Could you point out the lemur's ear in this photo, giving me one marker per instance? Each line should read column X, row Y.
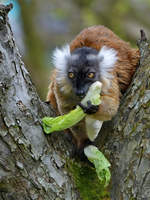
column 107, row 58
column 60, row 57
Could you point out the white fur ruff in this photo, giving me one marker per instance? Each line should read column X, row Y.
column 107, row 59
column 60, row 57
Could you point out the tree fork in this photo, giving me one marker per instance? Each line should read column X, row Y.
column 34, row 166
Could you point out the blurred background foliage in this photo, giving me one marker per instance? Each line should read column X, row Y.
column 39, row 26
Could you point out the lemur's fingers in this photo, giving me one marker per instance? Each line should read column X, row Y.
column 82, row 106
column 89, row 103
column 89, row 109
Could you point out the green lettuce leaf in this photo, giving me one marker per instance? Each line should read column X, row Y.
column 100, row 162
column 51, row 124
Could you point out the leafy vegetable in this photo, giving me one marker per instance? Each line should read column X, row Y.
column 51, row 124
column 100, row 162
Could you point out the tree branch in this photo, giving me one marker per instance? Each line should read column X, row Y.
column 128, row 140
column 30, row 168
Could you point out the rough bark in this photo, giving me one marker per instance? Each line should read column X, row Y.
column 30, row 166
column 35, row 166
column 128, row 137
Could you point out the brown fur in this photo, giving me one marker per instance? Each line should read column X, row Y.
column 96, row 37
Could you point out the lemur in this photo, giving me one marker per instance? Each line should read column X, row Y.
column 96, row 54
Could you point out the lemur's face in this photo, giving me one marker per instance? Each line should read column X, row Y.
column 83, row 70
column 77, row 70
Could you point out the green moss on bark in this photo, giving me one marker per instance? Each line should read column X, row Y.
column 87, row 182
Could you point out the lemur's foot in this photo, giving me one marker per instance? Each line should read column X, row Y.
column 79, row 152
column 90, row 108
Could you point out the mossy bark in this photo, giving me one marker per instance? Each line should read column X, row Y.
column 35, row 166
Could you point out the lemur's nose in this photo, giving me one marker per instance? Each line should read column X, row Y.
column 80, row 93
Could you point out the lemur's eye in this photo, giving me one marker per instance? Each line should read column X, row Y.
column 91, row 75
column 71, row 75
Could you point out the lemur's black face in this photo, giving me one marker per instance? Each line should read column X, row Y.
column 83, row 70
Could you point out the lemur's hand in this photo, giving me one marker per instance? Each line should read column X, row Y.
column 90, row 108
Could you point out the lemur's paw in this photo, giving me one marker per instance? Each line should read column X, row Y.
column 78, row 152
column 90, row 108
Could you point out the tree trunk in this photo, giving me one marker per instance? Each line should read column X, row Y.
column 30, row 166
column 128, row 137
column 35, row 166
